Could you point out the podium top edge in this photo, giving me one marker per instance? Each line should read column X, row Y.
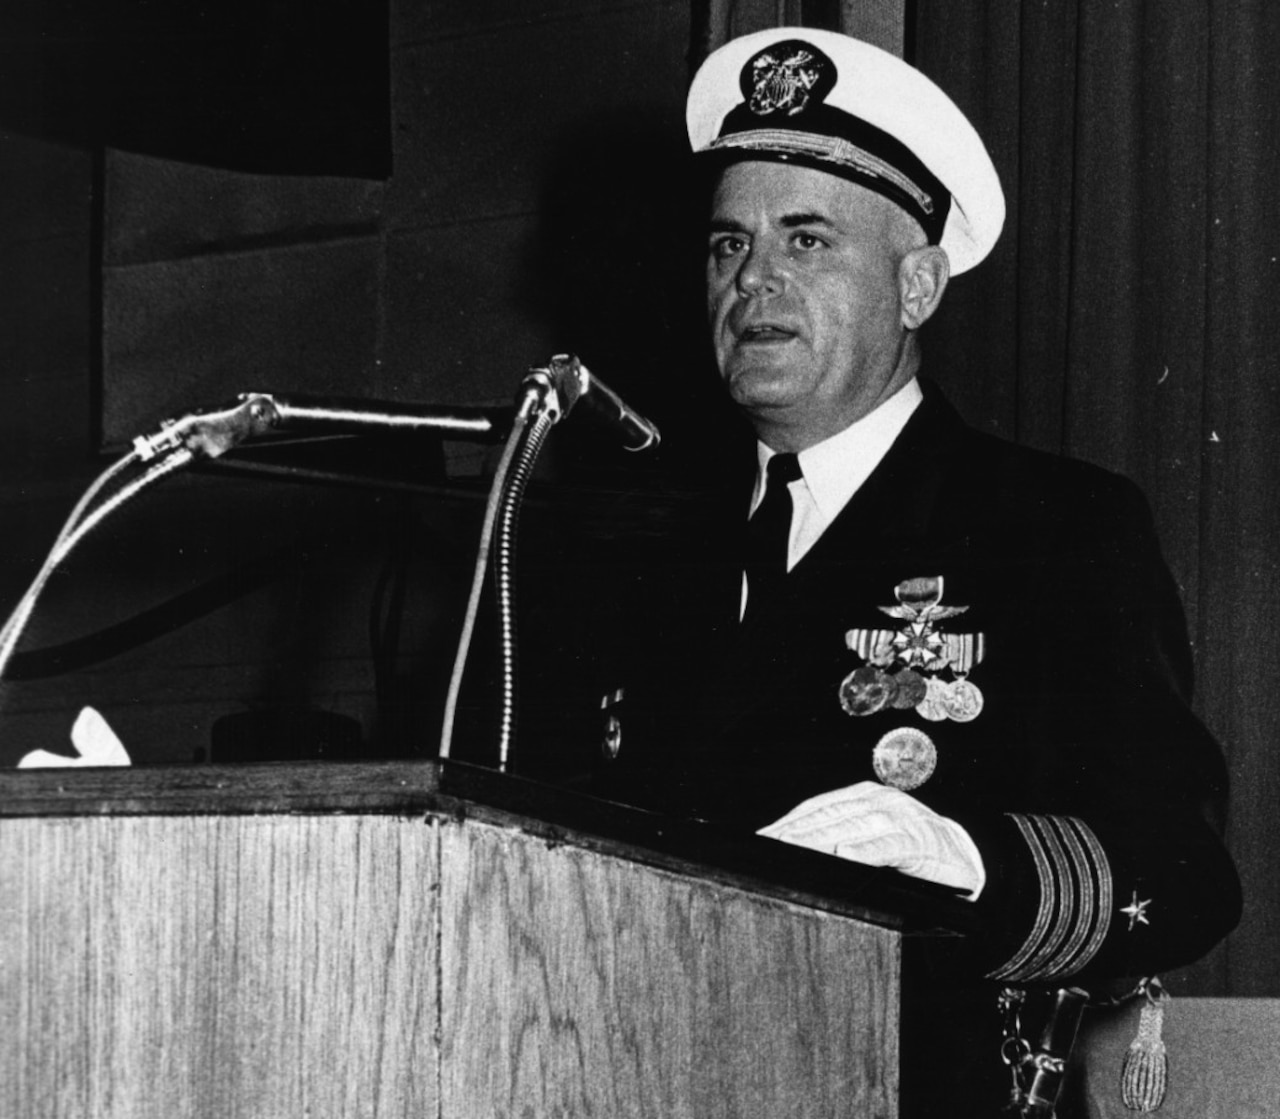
column 460, row 792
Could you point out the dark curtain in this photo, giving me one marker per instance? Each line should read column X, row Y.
column 1129, row 317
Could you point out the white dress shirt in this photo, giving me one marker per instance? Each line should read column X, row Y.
column 834, row 470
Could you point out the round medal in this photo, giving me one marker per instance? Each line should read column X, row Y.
column 932, row 706
column 905, row 758
column 962, row 701
column 911, row 689
column 865, row 691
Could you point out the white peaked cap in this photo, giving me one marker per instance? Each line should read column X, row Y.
column 821, row 99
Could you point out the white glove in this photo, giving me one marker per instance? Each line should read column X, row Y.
column 881, row 826
column 94, row 741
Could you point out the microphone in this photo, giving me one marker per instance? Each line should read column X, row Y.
column 573, row 384
column 210, row 434
column 565, row 383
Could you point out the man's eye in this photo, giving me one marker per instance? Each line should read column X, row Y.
column 722, row 248
column 807, row 241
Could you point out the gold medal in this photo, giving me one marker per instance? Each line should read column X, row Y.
column 933, row 706
column 866, row 690
column 904, row 758
column 962, row 700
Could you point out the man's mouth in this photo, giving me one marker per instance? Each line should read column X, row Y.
column 764, row 332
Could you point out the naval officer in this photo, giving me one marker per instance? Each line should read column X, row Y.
column 906, row 643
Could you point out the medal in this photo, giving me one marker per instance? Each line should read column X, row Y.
column 962, row 700
column 866, row 690
column 904, row 758
column 911, row 689
column 920, row 653
column 933, row 707
column 919, row 644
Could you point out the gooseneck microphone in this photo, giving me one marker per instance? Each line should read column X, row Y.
column 576, row 386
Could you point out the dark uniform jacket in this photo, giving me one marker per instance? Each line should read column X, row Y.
column 1085, row 780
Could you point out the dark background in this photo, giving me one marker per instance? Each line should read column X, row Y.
column 419, row 201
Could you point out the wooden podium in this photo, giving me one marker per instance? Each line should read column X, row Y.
column 424, row 939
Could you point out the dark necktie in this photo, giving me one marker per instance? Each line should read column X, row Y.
column 768, row 532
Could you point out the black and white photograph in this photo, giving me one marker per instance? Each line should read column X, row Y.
column 668, row 559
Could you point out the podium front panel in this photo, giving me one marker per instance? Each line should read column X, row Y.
column 201, row 944
column 575, row 984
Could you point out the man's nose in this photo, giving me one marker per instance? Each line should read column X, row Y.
column 760, row 273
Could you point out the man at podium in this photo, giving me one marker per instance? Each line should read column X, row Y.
column 903, row 642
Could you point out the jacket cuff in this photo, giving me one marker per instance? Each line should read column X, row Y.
column 1076, row 895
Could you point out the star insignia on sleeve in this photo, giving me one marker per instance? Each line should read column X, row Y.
column 1136, row 911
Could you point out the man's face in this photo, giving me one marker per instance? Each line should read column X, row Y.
column 803, row 297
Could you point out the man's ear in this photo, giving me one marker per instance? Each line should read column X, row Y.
column 922, row 278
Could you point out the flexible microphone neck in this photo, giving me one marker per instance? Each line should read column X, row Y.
column 574, row 386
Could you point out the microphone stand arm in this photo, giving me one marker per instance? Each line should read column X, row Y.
column 210, row 434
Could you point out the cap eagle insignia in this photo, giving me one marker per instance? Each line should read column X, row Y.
column 785, row 78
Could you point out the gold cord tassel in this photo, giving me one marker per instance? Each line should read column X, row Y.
column 1145, row 1075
